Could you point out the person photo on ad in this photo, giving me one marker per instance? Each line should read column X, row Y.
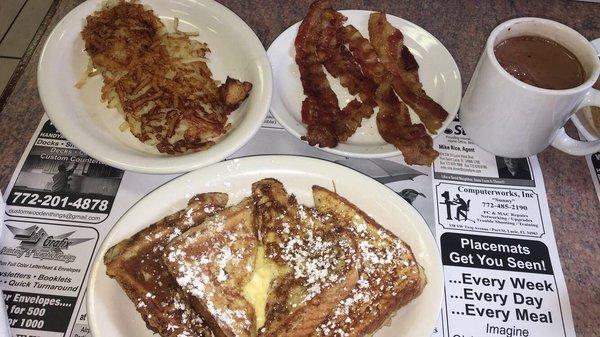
column 513, row 168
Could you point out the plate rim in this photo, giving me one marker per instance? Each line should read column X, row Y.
column 161, row 164
column 365, row 155
column 581, row 126
column 425, row 231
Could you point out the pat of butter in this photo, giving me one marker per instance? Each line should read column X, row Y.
column 257, row 289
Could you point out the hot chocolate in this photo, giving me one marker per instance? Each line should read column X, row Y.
column 540, row 62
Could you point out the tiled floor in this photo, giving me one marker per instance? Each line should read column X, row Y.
column 19, row 21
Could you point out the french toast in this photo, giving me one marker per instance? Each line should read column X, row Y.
column 390, row 276
column 212, row 262
column 266, row 267
column 317, row 263
column 136, row 264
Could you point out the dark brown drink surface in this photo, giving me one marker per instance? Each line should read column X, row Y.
column 540, row 62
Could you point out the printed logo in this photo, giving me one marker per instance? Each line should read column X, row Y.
column 462, row 207
column 37, row 243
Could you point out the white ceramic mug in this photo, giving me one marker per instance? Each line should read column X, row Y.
column 510, row 118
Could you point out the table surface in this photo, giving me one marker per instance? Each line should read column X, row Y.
column 462, row 26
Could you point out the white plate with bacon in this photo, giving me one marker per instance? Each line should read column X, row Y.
column 437, row 72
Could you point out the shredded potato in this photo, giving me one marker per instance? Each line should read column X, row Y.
column 158, row 80
column 90, row 71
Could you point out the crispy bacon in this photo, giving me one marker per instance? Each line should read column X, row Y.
column 316, row 85
column 317, row 44
column 389, row 46
column 315, row 112
column 320, row 135
column 342, row 65
column 306, row 39
column 233, row 93
column 351, row 118
column 320, row 106
column 333, row 127
column 394, row 125
column 411, row 67
column 364, row 54
column 393, row 118
column 328, row 40
column 348, row 56
column 339, row 62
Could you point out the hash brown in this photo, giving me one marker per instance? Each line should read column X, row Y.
column 159, row 80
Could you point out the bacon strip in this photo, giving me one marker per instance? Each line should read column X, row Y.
column 389, row 46
column 393, row 119
column 365, row 55
column 342, row 66
column 321, row 41
column 317, row 44
column 395, row 126
column 411, row 68
column 320, row 107
column 339, row 62
column 331, row 22
column 351, row 118
column 319, row 119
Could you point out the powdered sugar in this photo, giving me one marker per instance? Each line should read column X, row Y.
column 383, row 260
column 202, row 259
column 313, row 258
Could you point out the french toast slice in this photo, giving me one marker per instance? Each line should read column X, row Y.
column 136, row 264
column 317, row 262
column 212, row 262
column 390, row 276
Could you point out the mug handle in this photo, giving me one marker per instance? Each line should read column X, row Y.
column 566, row 143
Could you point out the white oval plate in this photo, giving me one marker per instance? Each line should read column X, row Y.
column 86, row 122
column 111, row 313
column 437, row 70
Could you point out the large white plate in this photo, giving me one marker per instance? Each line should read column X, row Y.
column 93, row 128
column 110, row 313
column 437, row 70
